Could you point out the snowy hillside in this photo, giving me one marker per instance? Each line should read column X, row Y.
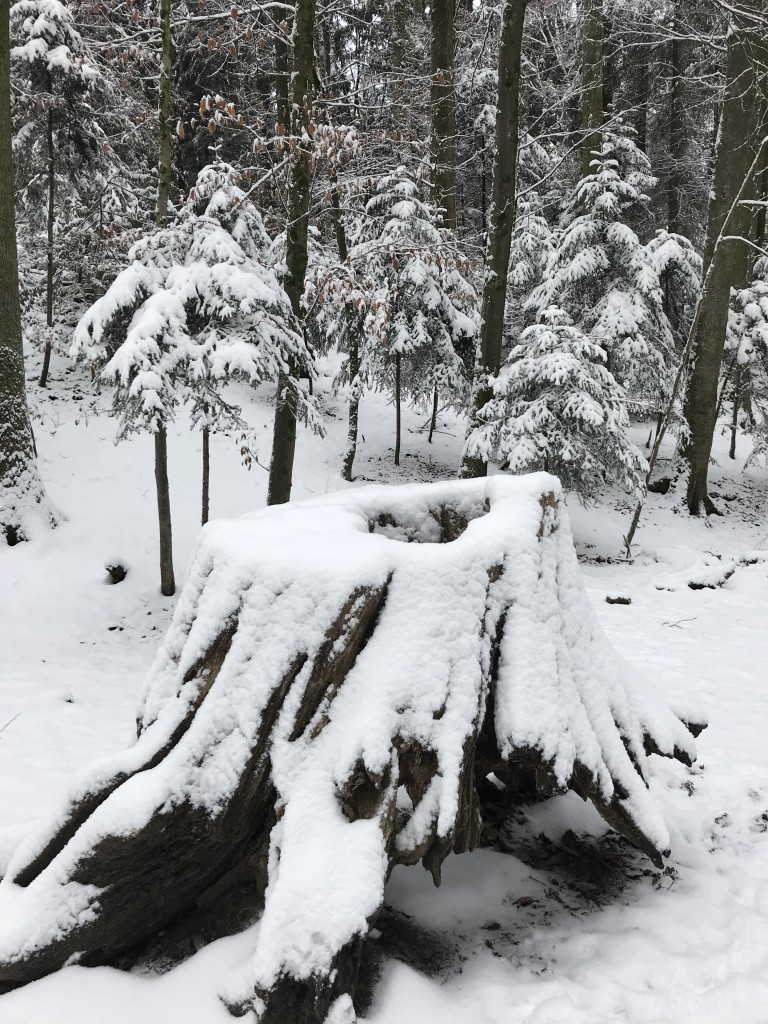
column 571, row 926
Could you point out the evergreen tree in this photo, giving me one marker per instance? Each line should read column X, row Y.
column 407, row 293
column 196, row 308
column 604, row 278
column 556, row 407
column 57, row 137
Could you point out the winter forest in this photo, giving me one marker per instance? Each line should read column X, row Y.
column 383, row 487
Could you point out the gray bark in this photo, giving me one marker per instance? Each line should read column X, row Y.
column 727, row 254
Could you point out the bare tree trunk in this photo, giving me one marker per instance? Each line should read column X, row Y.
column 591, row 81
column 502, row 220
column 397, row 408
column 675, row 220
column 354, row 341
column 206, row 474
column 284, row 436
column 49, row 261
column 735, row 414
column 19, row 480
column 433, row 421
column 443, row 102
column 726, row 258
column 167, row 578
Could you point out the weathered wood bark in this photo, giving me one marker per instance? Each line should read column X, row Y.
column 21, row 491
column 727, row 254
column 282, row 715
column 296, row 253
column 443, row 101
column 502, row 218
column 592, row 102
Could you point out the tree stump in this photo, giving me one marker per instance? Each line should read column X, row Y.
column 340, row 678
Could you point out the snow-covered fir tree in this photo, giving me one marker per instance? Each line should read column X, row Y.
column 405, row 290
column 747, row 343
column 556, row 407
column 196, row 308
column 603, row 277
column 57, row 138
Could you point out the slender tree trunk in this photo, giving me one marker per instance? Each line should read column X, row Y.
column 443, row 102
column 676, row 221
column 21, row 492
column 284, row 437
column 282, row 82
column 399, row 43
column 433, row 421
column 502, row 219
column 591, row 81
column 206, row 474
column 167, row 578
column 726, row 258
column 50, row 264
column 397, row 408
column 735, row 414
column 167, row 581
column 354, row 340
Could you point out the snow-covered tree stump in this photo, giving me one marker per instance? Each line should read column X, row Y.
column 340, row 679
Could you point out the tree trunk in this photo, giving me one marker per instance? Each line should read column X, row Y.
column 502, row 219
column 22, row 497
column 167, row 579
column 735, row 413
column 726, row 257
column 676, row 220
column 206, row 474
column 399, row 43
column 282, row 81
column 397, row 408
column 299, row 189
column 443, row 102
column 49, row 259
column 591, row 82
column 433, row 420
column 354, row 340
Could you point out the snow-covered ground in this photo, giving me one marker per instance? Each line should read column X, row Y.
column 541, row 936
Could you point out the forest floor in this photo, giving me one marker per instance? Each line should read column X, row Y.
column 557, row 921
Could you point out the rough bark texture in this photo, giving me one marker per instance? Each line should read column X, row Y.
column 296, row 253
column 173, row 862
column 591, row 82
column 502, row 218
column 22, row 498
column 727, row 256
